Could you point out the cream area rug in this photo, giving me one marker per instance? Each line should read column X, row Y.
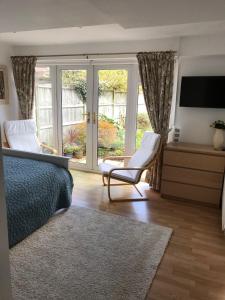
column 83, row 254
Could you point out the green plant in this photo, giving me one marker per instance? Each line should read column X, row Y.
column 78, row 152
column 118, row 152
column 68, row 149
column 139, row 136
column 113, row 80
column 107, row 119
column 218, row 124
column 143, row 121
column 118, row 144
column 81, row 89
column 102, row 152
column 77, row 148
column 121, row 135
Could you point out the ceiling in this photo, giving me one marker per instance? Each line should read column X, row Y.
column 22, row 15
column 144, row 13
column 107, row 33
column 43, row 22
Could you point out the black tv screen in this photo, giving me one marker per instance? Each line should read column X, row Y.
column 203, row 91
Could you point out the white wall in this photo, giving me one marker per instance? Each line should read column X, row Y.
column 128, row 46
column 194, row 122
column 213, row 44
column 8, row 111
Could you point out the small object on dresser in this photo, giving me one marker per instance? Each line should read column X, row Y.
column 176, row 135
column 218, row 137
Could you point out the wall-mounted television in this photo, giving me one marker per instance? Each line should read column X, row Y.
column 203, row 91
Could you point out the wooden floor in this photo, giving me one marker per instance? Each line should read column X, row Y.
column 193, row 266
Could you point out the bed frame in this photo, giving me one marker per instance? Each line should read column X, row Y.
column 60, row 161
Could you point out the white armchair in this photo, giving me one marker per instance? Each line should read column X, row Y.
column 142, row 160
column 21, row 135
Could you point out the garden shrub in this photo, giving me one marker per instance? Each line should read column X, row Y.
column 107, row 134
column 77, row 134
column 143, row 121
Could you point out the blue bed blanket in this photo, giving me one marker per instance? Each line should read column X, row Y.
column 35, row 190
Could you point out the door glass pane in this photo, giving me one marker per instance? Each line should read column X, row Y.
column 74, row 109
column 112, row 100
column 43, row 105
column 143, row 122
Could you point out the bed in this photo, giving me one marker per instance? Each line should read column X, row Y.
column 35, row 189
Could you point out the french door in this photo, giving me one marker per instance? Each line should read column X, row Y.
column 75, row 110
column 89, row 112
column 110, row 111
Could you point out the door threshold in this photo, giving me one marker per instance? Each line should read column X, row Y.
column 84, row 170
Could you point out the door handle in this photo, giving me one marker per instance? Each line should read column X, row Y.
column 88, row 114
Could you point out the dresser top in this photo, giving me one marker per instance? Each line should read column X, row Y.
column 194, row 148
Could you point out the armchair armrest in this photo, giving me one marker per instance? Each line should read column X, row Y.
column 50, row 149
column 116, row 157
column 110, row 174
column 130, row 169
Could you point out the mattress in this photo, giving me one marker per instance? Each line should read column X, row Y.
column 35, row 190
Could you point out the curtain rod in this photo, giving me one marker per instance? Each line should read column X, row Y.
column 88, row 54
column 94, row 54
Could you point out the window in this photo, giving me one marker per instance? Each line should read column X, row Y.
column 143, row 122
column 43, row 105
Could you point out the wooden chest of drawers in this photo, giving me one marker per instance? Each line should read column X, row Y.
column 193, row 172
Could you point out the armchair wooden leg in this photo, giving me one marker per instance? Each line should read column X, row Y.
column 109, row 195
column 103, row 180
column 142, row 198
column 138, row 190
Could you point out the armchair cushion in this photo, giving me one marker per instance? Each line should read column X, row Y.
column 21, row 135
column 141, row 158
column 105, row 168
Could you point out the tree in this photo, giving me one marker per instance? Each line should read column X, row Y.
column 109, row 80
column 113, row 80
column 71, row 77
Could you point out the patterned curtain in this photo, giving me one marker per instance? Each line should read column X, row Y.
column 2, row 85
column 24, row 76
column 156, row 71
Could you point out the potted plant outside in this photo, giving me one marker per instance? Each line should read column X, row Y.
column 78, row 152
column 68, row 151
